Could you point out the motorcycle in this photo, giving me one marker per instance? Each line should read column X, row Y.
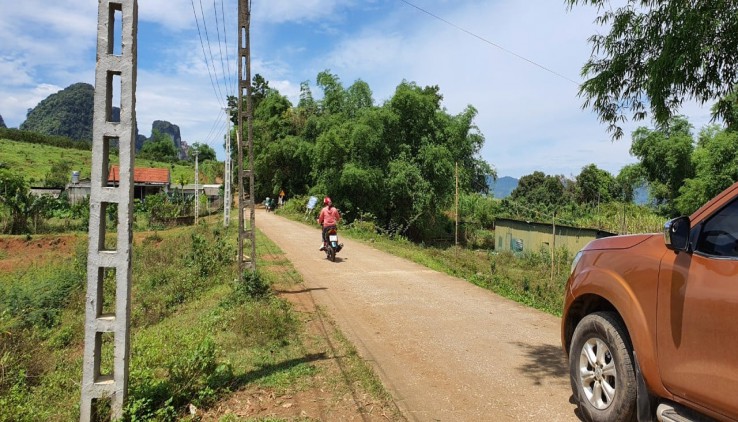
column 332, row 247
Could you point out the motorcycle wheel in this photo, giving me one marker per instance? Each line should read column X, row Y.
column 331, row 254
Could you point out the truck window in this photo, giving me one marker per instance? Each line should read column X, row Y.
column 719, row 235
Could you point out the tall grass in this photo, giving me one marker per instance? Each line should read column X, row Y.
column 196, row 332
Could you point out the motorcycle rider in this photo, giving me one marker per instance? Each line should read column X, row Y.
column 328, row 218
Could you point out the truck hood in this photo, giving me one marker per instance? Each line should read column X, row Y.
column 618, row 242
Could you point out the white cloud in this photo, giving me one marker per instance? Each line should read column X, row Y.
column 177, row 15
column 15, row 103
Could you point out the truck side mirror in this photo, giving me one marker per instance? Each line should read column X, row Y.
column 676, row 234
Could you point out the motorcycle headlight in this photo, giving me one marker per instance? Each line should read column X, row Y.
column 574, row 262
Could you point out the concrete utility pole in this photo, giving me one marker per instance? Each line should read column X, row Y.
column 108, row 387
column 227, row 189
column 246, row 235
column 197, row 188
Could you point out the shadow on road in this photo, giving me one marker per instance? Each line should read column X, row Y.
column 544, row 361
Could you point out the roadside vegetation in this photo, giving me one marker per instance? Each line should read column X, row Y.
column 197, row 334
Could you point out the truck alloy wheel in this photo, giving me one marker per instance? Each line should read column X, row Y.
column 601, row 369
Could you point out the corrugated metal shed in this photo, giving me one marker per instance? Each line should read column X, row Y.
column 521, row 236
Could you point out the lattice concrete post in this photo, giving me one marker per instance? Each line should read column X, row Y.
column 246, row 235
column 107, row 323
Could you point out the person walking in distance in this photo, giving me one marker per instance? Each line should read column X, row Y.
column 328, row 218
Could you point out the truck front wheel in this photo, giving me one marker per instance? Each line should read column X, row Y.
column 601, row 369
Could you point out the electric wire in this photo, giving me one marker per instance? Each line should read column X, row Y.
column 232, row 84
column 491, row 43
column 217, row 121
column 220, row 47
column 212, row 60
column 202, row 45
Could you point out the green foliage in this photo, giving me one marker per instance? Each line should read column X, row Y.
column 253, row 287
column 666, row 159
column 208, row 255
column 185, row 347
column 204, row 152
column 594, row 185
column 161, row 208
column 630, row 177
column 194, row 375
column 715, row 161
column 15, row 200
column 395, row 161
column 67, row 113
column 159, row 148
column 479, row 210
column 540, row 189
column 59, row 174
column 654, row 57
column 30, row 137
column 33, row 303
column 267, row 323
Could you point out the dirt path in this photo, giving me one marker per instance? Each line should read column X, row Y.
column 446, row 349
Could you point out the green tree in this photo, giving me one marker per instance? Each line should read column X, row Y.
column 204, row 152
column 395, row 162
column 159, row 148
column 657, row 54
column 16, row 200
column 334, row 95
column 594, row 185
column 358, row 98
column 665, row 156
column 629, row 178
column 59, row 174
column 540, row 189
column 715, row 161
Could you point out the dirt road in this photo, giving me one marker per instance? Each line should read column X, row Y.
column 447, row 350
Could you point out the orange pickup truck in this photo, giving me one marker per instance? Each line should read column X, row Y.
column 650, row 322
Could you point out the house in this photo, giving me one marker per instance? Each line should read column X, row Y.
column 146, row 181
column 211, row 191
column 521, row 236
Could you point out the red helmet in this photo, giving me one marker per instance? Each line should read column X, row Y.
column 327, row 200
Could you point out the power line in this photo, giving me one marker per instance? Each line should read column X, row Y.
column 214, row 128
column 220, row 45
column 212, row 61
column 491, row 43
column 228, row 55
column 197, row 22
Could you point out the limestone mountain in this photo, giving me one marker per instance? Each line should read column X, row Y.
column 2, row 122
column 65, row 113
column 69, row 113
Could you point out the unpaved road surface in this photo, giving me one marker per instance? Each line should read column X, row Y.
column 446, row 350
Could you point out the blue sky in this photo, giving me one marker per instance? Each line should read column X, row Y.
column 531, row 118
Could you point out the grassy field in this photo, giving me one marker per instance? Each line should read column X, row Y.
column 198, row 337
column 35, row 160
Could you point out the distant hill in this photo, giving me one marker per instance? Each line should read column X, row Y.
column 69, row 113
column 2, row 122
column 65, row 113
column 503, row 187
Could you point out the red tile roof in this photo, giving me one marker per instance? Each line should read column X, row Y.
column 142, row 175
